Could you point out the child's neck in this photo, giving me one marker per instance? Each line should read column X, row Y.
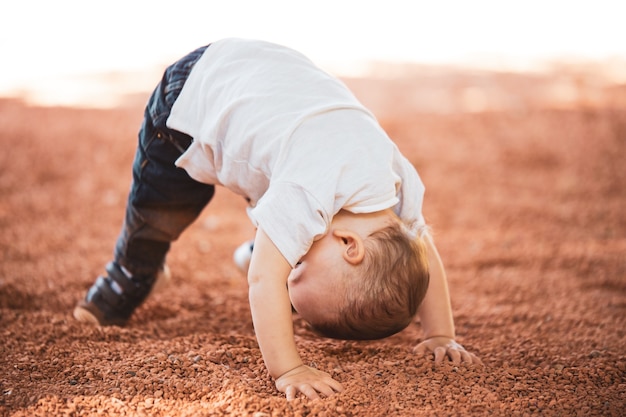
column 363, row 223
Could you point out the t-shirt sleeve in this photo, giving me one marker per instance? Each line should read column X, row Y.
column 411, row 196
column 292, row 218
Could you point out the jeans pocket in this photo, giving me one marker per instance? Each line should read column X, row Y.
column 168, row 136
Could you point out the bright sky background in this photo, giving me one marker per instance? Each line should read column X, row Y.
column 44, row 39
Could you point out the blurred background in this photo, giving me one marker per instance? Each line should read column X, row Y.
column 76, row 52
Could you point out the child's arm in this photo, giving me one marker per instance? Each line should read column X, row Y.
column 435, row 315
column 271, row 314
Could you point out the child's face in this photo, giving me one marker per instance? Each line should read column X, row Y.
column 318, row 283
column 314, row 284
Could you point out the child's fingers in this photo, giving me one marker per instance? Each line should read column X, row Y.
column 325, row 389
column 446, row 348
column 466, row 356
column 469, row 358
column 290, row 392
column 440, row 354
column 309, row 391
column 312, row 391
column 476, row 360
column 420, row 349
column 455, row 356
column 335, row 385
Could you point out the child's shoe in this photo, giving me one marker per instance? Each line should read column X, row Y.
column 113, row 298
column 242, row 256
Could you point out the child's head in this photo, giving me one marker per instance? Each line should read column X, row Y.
column 364, row 280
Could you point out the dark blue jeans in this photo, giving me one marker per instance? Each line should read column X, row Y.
column 163, row 199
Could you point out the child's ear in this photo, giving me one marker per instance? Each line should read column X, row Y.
column 353, row 246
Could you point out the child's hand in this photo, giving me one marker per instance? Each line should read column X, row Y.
column 308, row 381
column 442, row 346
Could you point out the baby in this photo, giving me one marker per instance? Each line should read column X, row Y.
column 340, row 234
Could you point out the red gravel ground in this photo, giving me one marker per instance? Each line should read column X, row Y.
column 527, row 201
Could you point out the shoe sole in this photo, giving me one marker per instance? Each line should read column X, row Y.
column 83, row 315
column 163, row 279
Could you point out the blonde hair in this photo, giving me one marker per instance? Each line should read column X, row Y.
column 382, row 298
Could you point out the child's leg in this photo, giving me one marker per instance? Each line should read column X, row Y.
column 162, row 202
column 163, row 199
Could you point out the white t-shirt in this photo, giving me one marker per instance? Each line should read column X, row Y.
column 271, row 126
